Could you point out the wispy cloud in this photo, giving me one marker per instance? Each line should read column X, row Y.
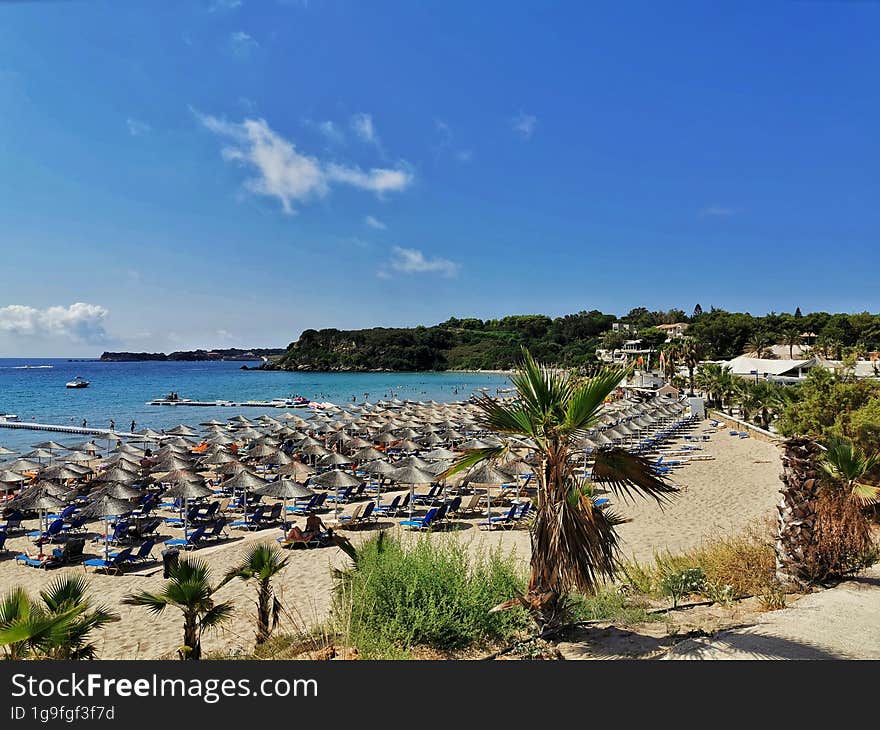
column 524, row 125
column 372, row 222
column 413, row 261
column 137, row 128
column 327, row 129
column 292, row 177
column 446, row 143
column 717, row 211
column 242, row 44
column 79, row 322
column 220, row 6
column 363, row 127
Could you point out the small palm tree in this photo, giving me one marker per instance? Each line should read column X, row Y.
column 262, row 563
column 189, row 589
column 574, row 542
column 847, row 466
column 758, row 345
column 58, row 628
column 70, row 594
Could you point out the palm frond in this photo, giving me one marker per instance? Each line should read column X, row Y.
column 153, row 602
column 216, row 615
column 627, row 475
column 586, row 400
column 471, row 458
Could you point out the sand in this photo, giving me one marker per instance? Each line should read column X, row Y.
column 723, row 496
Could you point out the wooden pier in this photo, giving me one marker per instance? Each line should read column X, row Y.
column 226, row 403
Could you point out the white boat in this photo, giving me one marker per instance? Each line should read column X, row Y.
column 78, row 382
column 8, row 417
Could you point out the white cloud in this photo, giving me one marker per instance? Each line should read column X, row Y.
column 79, row 322
column 717, row 211
column 224, row 5
column 524, row 125
column 242, row 43
column 372, row 222
column 289, row 175
column 137, row 128
column 363, row 127
column 413, row 261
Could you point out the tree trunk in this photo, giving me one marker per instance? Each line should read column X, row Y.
column 796, row 521
column 192, row 648
column 264, row 602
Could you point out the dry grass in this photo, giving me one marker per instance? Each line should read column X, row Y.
column 741, row 565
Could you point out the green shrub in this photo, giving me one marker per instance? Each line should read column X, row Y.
column 679, row 583
column 429, row 592
column 612, row 605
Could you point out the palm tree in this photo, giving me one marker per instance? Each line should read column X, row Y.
column 847, row 466
column 791, row 336
column 70, row 594
column 188, row 589
column 758, row 345
column 574, row 542
column 261, row 563
column 57, row 628
column 691, row 354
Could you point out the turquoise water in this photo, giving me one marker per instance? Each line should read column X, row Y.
column 120, row 391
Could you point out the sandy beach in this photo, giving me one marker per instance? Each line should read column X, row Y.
column 723, row 495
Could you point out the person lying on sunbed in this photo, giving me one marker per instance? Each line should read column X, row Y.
column 314, row 526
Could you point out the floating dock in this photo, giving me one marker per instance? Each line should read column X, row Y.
column 227, row 403
column 57, row 428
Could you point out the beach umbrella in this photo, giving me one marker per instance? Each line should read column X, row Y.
column 187, row 490
column 368, row 453
column 296, row 469
column 38, row 499
column 284, row 489
column 50, row 446
column 412, row 475
column 119, row 491
column 11, row 477
column 6, row 452
column 334, row 459
column 439, row 454
column 177, row 476
column 212, row 422
column 117, row 474
column 490, row 476
column 182, row 431
column 105, row 508
column 23, row 465
column 336, row 479
column 244, row 480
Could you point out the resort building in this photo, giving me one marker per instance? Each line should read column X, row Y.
column 792, row 371
column 673, row 331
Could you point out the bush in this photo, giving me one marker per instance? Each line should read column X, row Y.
column 742, row 565
column 843, row 541
column 428, row 592
column 682, row 583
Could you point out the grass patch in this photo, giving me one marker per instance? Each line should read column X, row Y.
column 427, row 592
column 612, row 605
column 742, row 565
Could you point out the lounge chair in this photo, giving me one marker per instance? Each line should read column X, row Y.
column 471, row 506
column 505, row 521
column 190, row 541
column 115, row 563
column 72, row 552
column 217, row 531
column 342, row 496
column 120, row 533
column 56, row 527
column 422, row 523
column 144, row 552
column 13, row 523
column 253, row 520
column 429, row 496
column 359, row 516
column 389, row 509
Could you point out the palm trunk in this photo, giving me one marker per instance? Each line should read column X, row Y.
column 192, row 646
column 797, row 511
column 264, row 602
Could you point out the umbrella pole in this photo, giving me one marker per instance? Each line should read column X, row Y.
column 106, row 539
column 185, row 517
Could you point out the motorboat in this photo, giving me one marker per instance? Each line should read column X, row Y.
column 8, row 417
column 78, row 382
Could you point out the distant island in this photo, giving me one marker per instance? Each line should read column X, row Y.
column 232, row 353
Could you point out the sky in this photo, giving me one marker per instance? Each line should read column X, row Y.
column 177, row 174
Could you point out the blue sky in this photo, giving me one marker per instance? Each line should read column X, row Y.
column 191, row 173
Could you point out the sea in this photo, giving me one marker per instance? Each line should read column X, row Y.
column 34, row 390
